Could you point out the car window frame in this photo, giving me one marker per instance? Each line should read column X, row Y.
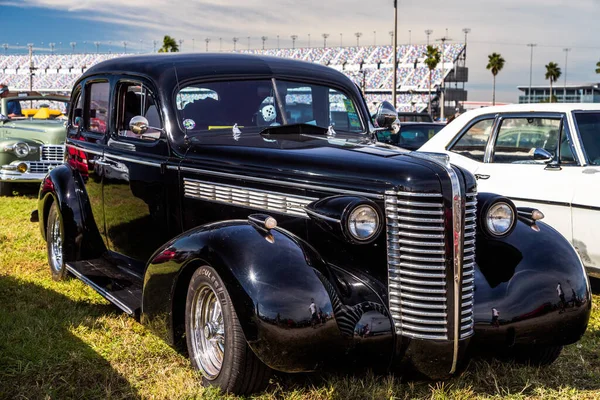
column 563, row 129
column 585, row 161
column 357, row 101
column 86, row 102
column 467, row 127
column 113, row 131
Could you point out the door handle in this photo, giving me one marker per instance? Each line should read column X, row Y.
column 102, row 163
column 482, row 176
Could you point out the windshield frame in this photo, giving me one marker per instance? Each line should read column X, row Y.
column 586, row 159
column 365, row 127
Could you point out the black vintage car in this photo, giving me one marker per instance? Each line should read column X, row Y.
column 242, row 205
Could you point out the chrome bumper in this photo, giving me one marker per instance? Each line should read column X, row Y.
column 9, row 173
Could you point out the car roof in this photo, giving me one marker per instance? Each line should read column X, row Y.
column 162, row 67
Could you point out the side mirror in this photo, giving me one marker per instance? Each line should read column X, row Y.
column 386, row 117
column 4, row 118
column 540, row 154
column 138, row 125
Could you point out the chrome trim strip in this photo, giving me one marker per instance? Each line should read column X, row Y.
column 321, row 216
column 72, row 146
column 281, row 183
column 13, row 126
column 244, row 197
column 133, row 160
column 457, row 242
column 100, row 290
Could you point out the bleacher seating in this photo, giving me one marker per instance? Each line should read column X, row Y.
column 370, row 66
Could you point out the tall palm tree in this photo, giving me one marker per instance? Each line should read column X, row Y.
column 169, row 45
column 432, row 59
column 552, row 73
column 598, row 67
column 495, row 64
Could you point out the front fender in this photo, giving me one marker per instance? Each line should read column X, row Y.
column 64, row 186
column 517, row 282
column 271, row 279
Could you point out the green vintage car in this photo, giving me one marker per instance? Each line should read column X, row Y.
column 32, row 143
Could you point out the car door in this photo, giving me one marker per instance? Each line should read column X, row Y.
column 510, row 168
column 134, row 178
column 586, row 197
column 86, row 140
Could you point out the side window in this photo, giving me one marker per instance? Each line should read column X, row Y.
column 76, row 116
column 519, row 137
column 473, row 142
column 97, row 107
column 135, row 99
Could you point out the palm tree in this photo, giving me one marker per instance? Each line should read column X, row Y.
column 169, row 45
column 432, row 59
column 552, row 73
column 495, row 64
column 598, row 67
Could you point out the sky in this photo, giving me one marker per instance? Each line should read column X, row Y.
column 504, row 27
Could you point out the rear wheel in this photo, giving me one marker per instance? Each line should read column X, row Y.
column 5, row 189
column 55, row 240
column 216, row 344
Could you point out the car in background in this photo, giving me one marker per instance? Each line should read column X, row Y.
column 33, row 143
column 411, row 135
column 414, row 117
column 539, row 155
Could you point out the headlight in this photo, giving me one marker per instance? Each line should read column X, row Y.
column 21, row 149
column 499, row 219
column 363, row 222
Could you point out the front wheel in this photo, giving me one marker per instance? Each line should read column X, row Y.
column 5, row 189
column 216, row 344
column 55, row 235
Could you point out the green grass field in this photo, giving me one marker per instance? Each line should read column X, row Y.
column 61, row 340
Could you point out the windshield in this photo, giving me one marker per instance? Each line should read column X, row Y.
column 410, row 137
column 251, row 106
column 588, row 125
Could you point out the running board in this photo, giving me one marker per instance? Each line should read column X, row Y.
column 118, row 287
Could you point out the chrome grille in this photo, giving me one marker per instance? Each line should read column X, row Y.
column 416, row 264
column 468, row 274
column 53, row 153
column 259, row 199
column 41, row 167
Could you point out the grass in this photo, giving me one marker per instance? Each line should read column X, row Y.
column 61, row 340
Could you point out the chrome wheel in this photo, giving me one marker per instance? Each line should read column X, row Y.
column 56, row 245
column 208, row 332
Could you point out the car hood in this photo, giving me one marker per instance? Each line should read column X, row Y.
column 43, row 132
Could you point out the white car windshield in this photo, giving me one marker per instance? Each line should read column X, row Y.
column 253, row 105
column 588, row 125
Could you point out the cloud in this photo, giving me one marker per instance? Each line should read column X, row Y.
column 505, row 27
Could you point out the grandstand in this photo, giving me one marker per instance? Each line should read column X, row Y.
column 370, row 67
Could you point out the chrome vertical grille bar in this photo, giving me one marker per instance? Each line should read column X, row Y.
column 468, row 274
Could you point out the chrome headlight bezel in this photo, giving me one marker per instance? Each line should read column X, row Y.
column 350, row 224
column 500, row 208
column 21, row 149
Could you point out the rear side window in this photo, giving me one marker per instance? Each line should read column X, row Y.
column 519, row 137
column 473, row 142
column 97, row 107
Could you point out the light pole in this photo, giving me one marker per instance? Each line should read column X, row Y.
column 391, row 38
column 141, row 46
column 309, row 40
column 443, row 99
column 181, row 45
column 124, row 46
column 277, row 42
column 52, row 47
column 248, row 42
column 325, row 36
column 154, row 43
column 466, row 31
column 207, row 40
column 109, row 47
column 374, row 38
column 235, row 40
column 264, row 39
column 341, row 39
column 359, row 34
column 193, row 44
column 566, row 50
column 73, row 44
column 428, row 32
column 409, row 37
column 97, row 44
column 532, row 45
column 395, row 55
column 220, row 44
column 5, row 45
column 85, row 47
column 294, row 37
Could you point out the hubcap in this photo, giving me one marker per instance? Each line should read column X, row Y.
column 208, row 332
column 56, row 254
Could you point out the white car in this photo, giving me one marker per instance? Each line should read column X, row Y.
column 545, row 156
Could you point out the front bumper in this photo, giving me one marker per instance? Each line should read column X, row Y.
column 36, row 171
